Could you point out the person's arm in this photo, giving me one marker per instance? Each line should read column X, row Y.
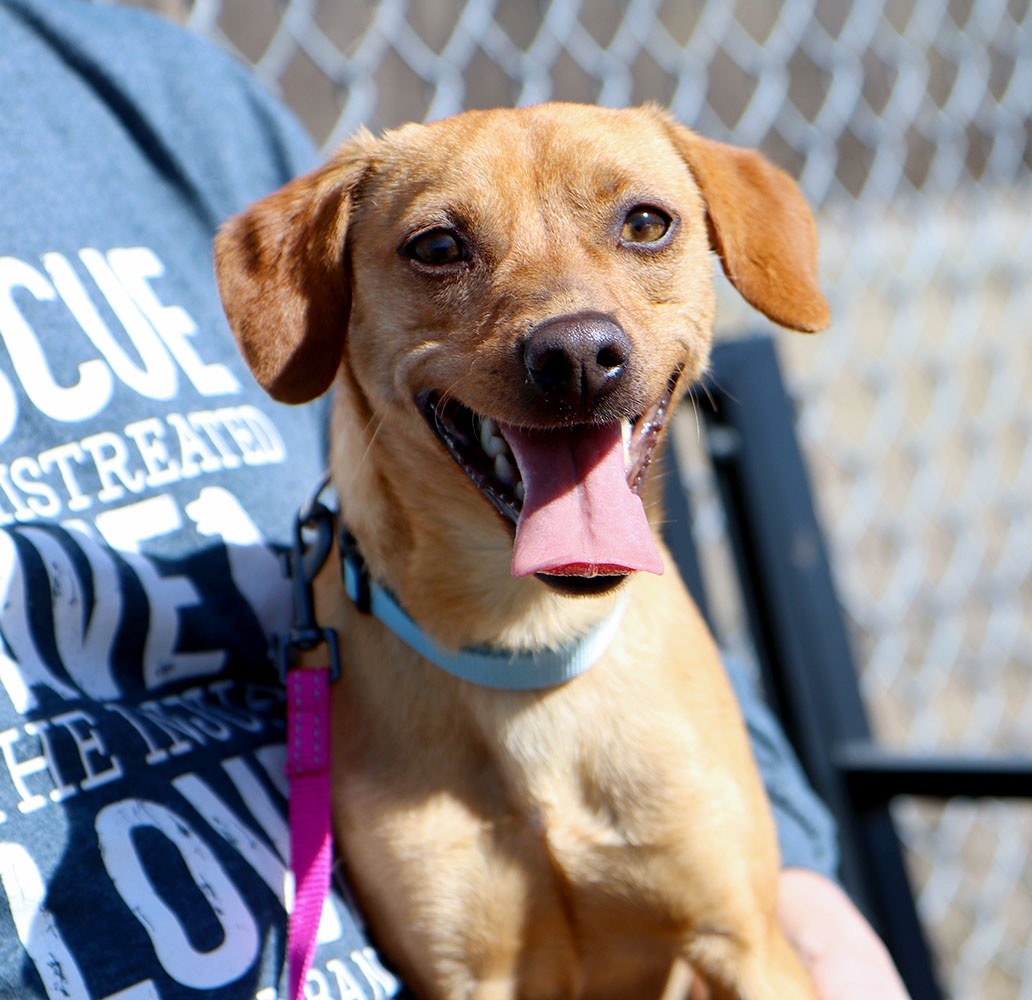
column 838, row 947
column 807, row 836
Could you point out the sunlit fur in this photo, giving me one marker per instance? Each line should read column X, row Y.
column 582, row 841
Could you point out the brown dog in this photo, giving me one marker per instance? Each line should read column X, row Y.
column 536, row 286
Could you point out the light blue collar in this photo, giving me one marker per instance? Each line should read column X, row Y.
column 507, row 671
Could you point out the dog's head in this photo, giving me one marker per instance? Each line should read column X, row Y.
column 530, row 288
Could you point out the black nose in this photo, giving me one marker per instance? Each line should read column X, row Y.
column 574, row 361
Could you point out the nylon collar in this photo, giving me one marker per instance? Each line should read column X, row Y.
column 500, row 669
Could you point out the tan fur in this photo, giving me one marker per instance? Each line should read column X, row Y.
column 576, row 842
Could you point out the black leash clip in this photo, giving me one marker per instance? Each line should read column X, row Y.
column 311, row 544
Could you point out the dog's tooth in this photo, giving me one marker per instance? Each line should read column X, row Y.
column 494, row 446
column 627, row 429
column 504, row 470
column 492, row 443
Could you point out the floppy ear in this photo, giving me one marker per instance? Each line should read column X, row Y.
column 761, row 227
column 282, row 275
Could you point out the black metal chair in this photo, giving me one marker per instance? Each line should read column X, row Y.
column 801, row 642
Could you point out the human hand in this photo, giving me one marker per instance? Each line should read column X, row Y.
column 839, row 949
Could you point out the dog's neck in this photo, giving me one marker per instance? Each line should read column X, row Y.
column 502, row 669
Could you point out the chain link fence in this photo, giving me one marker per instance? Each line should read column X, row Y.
column 909, row 125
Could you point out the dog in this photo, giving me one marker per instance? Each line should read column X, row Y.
column 508, row 305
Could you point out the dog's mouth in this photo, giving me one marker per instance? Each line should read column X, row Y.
column 573, row 492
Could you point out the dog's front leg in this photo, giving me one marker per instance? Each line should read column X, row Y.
column 761, row 969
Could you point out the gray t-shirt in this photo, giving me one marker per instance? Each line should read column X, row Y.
column 143, row 479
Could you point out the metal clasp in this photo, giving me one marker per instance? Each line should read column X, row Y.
column 310, row 546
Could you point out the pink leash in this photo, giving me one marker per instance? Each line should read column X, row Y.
column 311, row 840
column 308, row 740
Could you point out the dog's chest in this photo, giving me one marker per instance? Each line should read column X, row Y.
column 591, row 818
column 600, row 804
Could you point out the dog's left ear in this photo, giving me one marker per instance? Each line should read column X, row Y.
column 761, row 227
column 282, row 274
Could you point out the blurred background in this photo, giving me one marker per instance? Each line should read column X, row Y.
column 909, row 126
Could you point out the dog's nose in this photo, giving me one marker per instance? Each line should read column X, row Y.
column 576, row 360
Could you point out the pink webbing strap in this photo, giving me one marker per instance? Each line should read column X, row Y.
column 311, row 842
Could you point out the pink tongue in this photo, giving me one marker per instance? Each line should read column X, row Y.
column 580, row 518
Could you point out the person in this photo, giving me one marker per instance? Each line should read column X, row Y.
column 146, row 485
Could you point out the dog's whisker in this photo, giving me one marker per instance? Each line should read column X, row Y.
column 371, row 432
column 692, row 397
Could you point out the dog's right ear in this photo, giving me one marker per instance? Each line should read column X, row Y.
column 281, row 272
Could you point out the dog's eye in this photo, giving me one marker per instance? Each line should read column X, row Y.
column 644, row 225
column 437, row 246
